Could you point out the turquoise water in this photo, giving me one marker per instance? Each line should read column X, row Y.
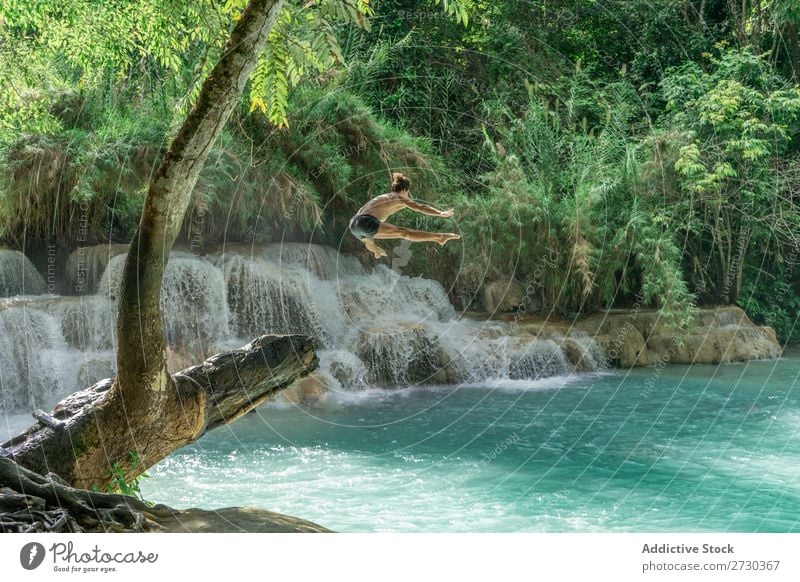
column 706, row 448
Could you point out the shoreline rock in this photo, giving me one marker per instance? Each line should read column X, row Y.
column 638, row 337
column 538, row 346
column 720, row 335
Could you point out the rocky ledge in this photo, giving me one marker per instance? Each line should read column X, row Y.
column 719, row 335
column 640, row 337
column 534, row 346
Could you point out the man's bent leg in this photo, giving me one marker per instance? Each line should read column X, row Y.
column 377, row 251
column 388, row 231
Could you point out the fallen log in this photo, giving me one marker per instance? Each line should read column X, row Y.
column 90, row 437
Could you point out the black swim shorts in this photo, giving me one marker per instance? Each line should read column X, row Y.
column 364, row 226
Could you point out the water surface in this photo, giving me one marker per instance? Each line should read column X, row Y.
column 702, row 448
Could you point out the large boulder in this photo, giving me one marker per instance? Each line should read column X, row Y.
column 232, row 520
column 305, row 390
column 402, row 355
column 583, row 354
column 715, row 345
column 503, row 296
column 624, row 347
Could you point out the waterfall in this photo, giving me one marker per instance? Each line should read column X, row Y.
column 400, row 355
column 18, row 276
column 263, row 298
column 193, row 303
column 52, row 346
column 322, row 262
column 375, row 328
column 87, row 323
column 33, row 371
column 86, row 265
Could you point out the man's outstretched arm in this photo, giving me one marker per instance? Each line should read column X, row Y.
column 423, row 208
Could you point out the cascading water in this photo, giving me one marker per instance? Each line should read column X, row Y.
column 18, row 276
column 86, row 266
column 193, row 303
column 379, row 328
column 32, row 367
column 264, row 298
column 51, row 346
column 376, row 328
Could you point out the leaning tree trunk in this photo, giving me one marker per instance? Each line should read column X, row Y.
column 142, row 377
column 145, row 411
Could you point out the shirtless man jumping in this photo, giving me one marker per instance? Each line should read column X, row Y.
column 368, row 223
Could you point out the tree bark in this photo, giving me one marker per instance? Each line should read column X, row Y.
column 145, row 410
column 142, row 378
column 31, row 503
column 88, row 432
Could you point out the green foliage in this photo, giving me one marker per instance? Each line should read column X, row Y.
column 301, row 41
column 119, row 483
column 565, row 213
column 732, row 124
column 84, row 181
column 771, row 300
column 455, row 8
column 93, row 39
column 338, row 145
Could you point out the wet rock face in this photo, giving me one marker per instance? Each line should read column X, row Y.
column 264, row 297
column 400, row 356
column 304, row 390
column 546, row 360
column 578, row 356
column 86, row 265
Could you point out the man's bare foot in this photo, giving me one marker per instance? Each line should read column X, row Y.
column 447, row 236
column 379, row 253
